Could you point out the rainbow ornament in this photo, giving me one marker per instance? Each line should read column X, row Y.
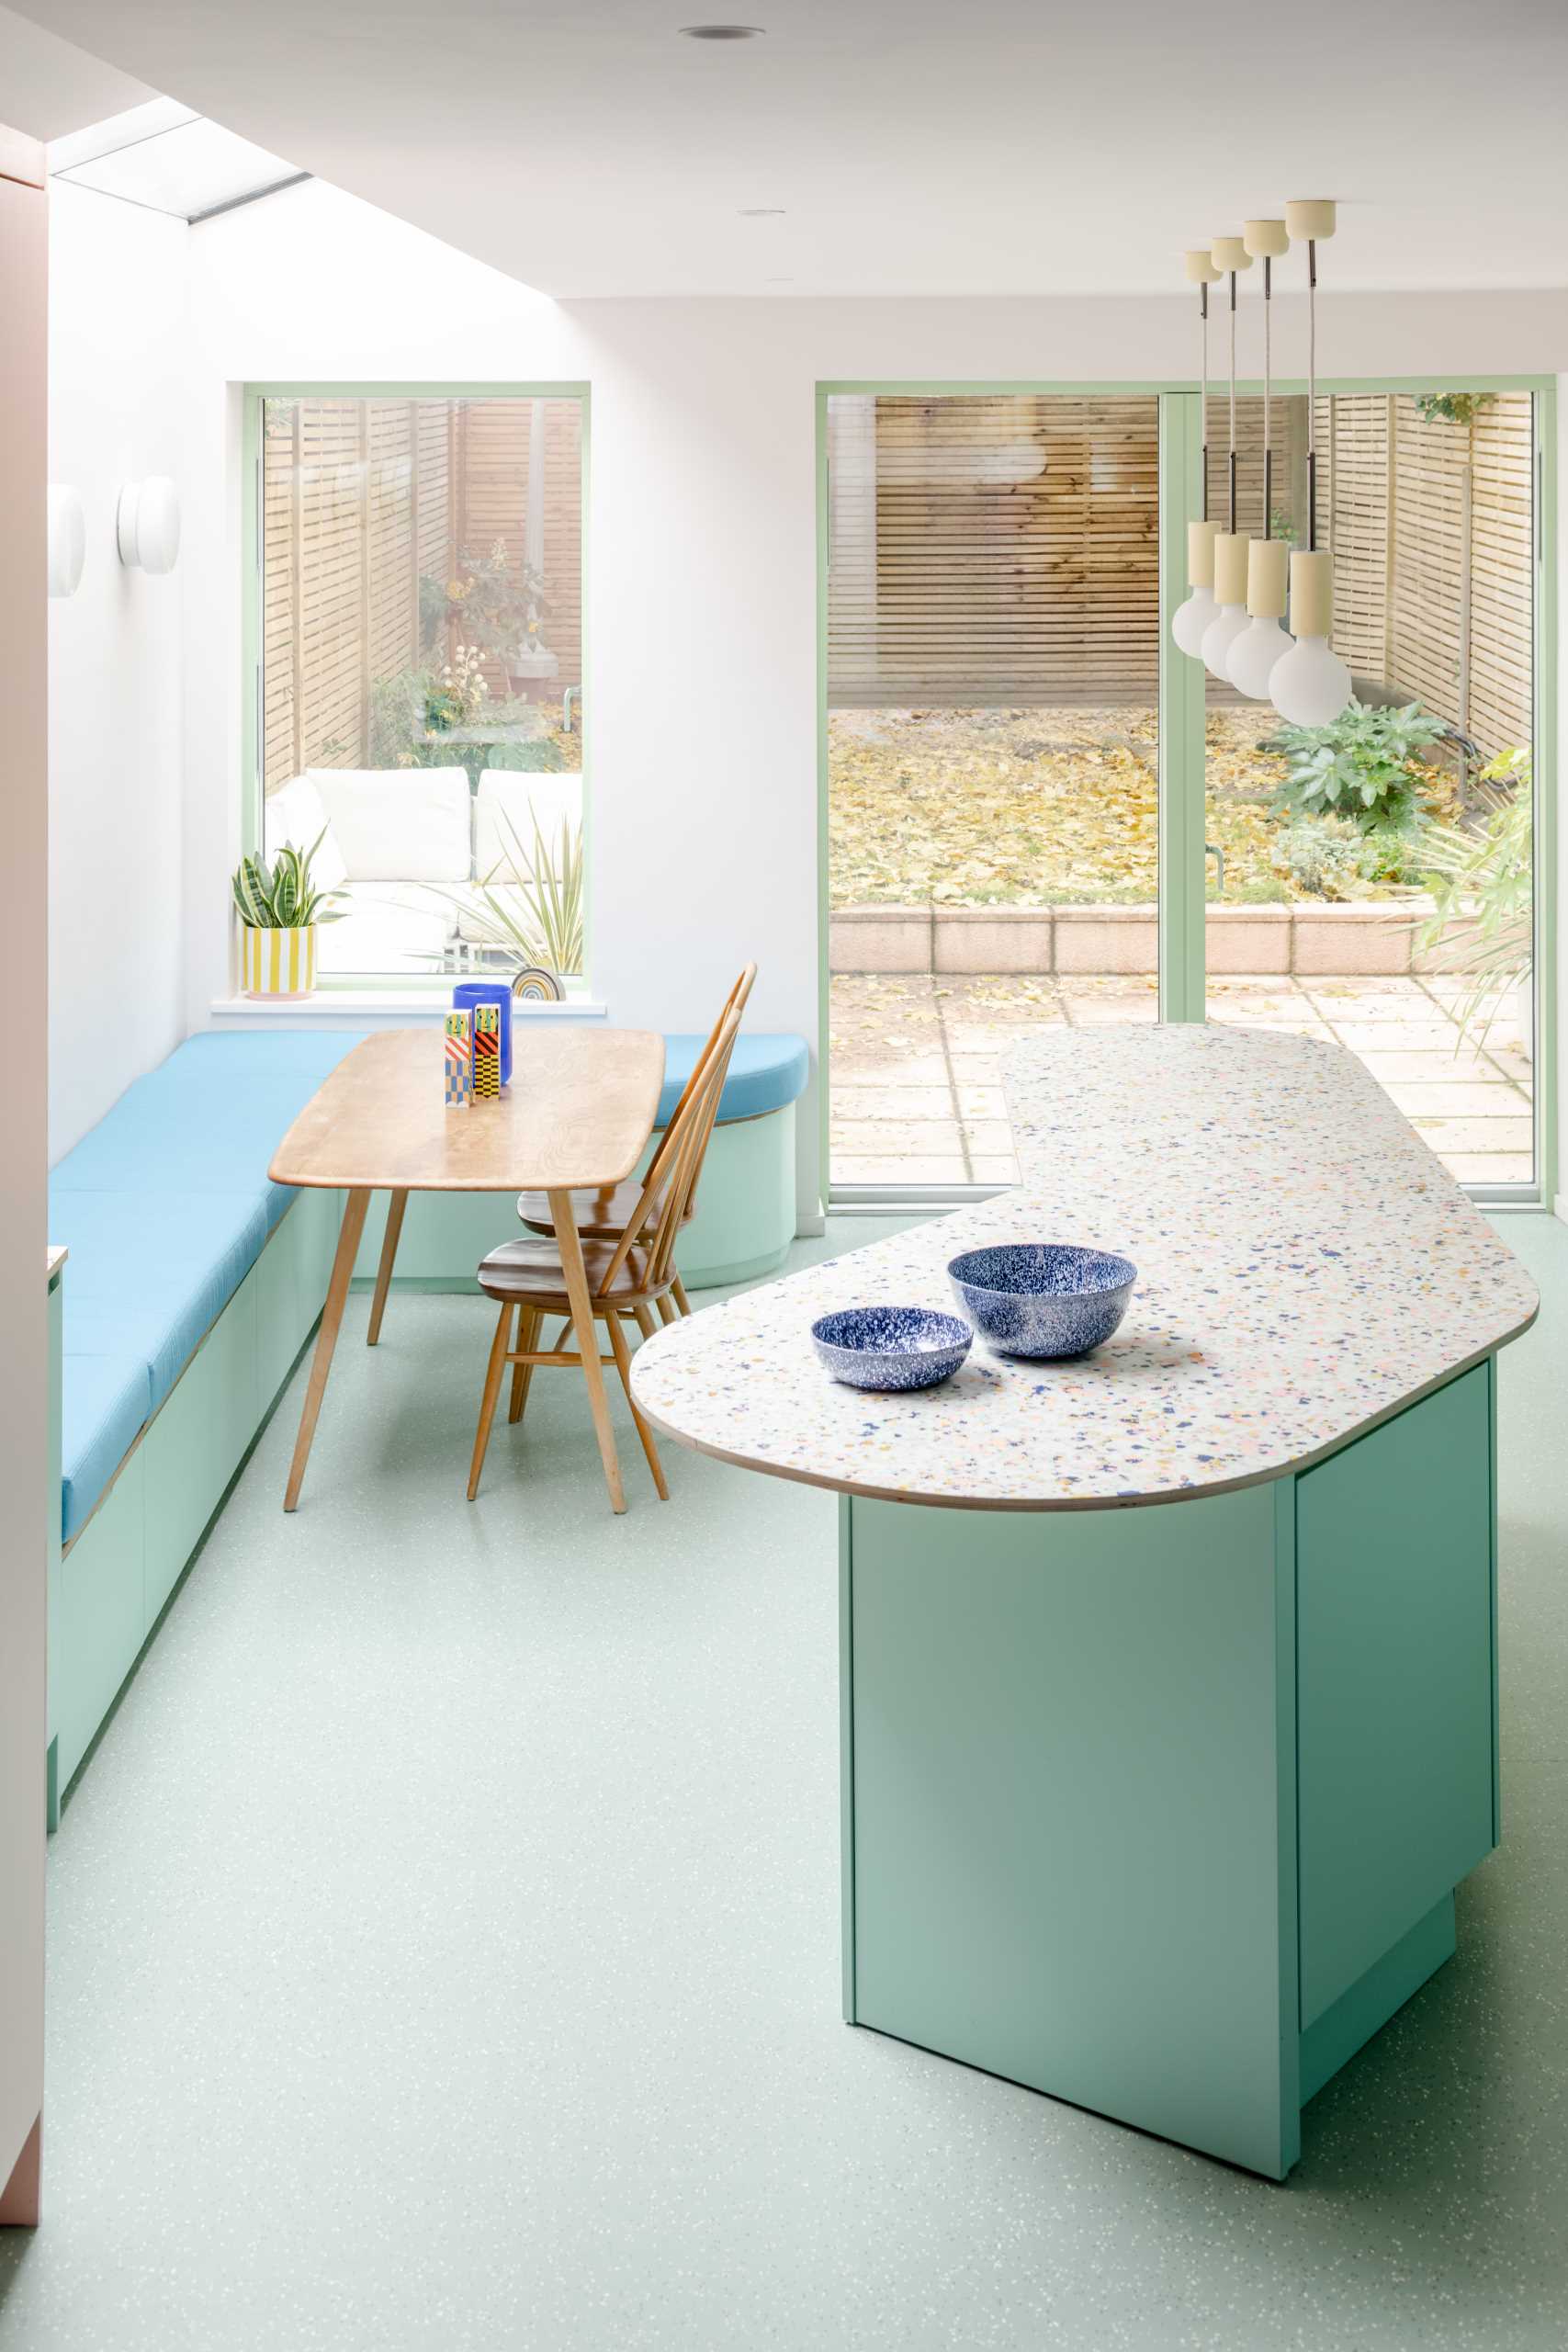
column 487, row 1052
column 459, row 1062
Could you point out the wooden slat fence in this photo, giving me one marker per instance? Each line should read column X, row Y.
column 361, row 499
column 1002, row 548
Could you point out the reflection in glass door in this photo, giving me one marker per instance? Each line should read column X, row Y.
column 993, row 666
column 1372, row 882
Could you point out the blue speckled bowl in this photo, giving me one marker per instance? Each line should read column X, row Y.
column 890, row 1347
column 1043, row 1298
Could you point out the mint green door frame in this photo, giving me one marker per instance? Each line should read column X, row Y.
column 252, row 553
column 1181, row 867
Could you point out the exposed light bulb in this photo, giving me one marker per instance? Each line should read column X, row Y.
column 1230, row 594
column 1263, row 642
column 1254, row 655
column 1310, row 685
column 1193, row 618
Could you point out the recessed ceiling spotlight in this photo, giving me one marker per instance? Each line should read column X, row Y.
column 724, row 32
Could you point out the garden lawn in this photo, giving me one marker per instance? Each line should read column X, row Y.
column 1043, row 807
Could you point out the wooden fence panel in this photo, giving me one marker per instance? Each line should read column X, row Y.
column 361, row 501
column 1002, row 548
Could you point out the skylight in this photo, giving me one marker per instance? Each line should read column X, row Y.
column 165, row 157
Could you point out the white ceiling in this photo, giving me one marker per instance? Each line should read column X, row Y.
column 977, row 146
column 48, row 88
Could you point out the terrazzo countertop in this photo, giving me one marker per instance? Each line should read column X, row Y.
column 1305, row 1269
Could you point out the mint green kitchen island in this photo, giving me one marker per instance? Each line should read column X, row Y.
column 1170, row 1674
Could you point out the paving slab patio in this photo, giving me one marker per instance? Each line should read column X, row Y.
column 916, row 1061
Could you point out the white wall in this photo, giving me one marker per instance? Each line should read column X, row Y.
column 702, row 550
column 117, row 391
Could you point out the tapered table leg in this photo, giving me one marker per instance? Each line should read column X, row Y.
column 326, row 1338
column 587, row 1335
column 395, row 1207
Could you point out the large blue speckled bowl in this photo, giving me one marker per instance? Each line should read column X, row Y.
column 1043, row 1298
column 890, row 1347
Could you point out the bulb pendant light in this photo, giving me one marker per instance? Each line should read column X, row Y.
column 1255, row 650
column 1310, row 685
column 1192, row 616
column 1230, row 548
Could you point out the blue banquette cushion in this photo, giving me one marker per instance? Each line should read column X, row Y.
column 165, row 1204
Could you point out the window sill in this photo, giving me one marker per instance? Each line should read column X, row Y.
column 374, row 1008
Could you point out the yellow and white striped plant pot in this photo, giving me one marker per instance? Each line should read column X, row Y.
column 278, row 962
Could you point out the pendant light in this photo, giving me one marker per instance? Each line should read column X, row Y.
column 1263, row 642
column 1310, row 685
column 1191, row 619
column 1231, row 544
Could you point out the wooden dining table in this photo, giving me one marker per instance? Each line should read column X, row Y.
column 577, row 1114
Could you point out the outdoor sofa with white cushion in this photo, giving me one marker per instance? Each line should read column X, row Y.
column 396, row 839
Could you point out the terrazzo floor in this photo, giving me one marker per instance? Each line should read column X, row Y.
column 445, row 1954
column 916, row 1069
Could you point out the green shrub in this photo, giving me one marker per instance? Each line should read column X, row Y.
column 1364, row 766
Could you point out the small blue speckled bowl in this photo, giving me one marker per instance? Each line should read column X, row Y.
column 890, row 1347
column 1043, row 1298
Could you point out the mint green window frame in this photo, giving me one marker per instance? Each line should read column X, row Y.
column 251, row 700
column 1183, row 979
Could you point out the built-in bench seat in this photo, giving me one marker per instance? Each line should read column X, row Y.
column 192, row 1282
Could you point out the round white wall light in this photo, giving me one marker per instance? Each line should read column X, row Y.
column 147, row 524
column 67, row 539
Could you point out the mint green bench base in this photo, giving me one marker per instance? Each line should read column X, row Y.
column 111, row 1584
column 1161, row 1810
column 744, row 1224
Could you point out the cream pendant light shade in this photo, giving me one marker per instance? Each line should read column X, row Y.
column 1230, row 254
column 1192, row 616
column 1262, row 642
column 1255, row 649
column 1310, row 685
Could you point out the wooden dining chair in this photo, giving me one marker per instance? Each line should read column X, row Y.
column 604, row 1214
column 627, row 1277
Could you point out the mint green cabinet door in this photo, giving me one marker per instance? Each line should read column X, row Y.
column 196, row 1444
column 100, row 1613
column 1395, row 1680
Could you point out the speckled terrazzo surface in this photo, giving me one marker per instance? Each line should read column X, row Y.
column 1306, row 1267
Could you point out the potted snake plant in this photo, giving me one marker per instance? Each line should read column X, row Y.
column 280, row 912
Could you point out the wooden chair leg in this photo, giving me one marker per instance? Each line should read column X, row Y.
column 586, row 1330
column 624, row 1365
column 523, row 1374
column 645, row 1322
column 681, row 1301
column 395, row 1207
column 493, row 1372
column 668, row 1310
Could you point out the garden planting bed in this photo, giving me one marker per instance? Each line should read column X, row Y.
column 975, row 841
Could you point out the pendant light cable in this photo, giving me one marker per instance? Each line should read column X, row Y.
column 1203, row 401
column 1268, row 371
column 1233, row 407
column 1312, row 395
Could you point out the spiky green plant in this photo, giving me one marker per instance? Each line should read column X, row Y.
column 1481, row 877
column 280, row 897
column 529, row 907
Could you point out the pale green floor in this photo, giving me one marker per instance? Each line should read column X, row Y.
column 445, row 1953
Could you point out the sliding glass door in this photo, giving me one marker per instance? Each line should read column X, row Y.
column 992, row 737
column 1038, row 811
column 1372, row 882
